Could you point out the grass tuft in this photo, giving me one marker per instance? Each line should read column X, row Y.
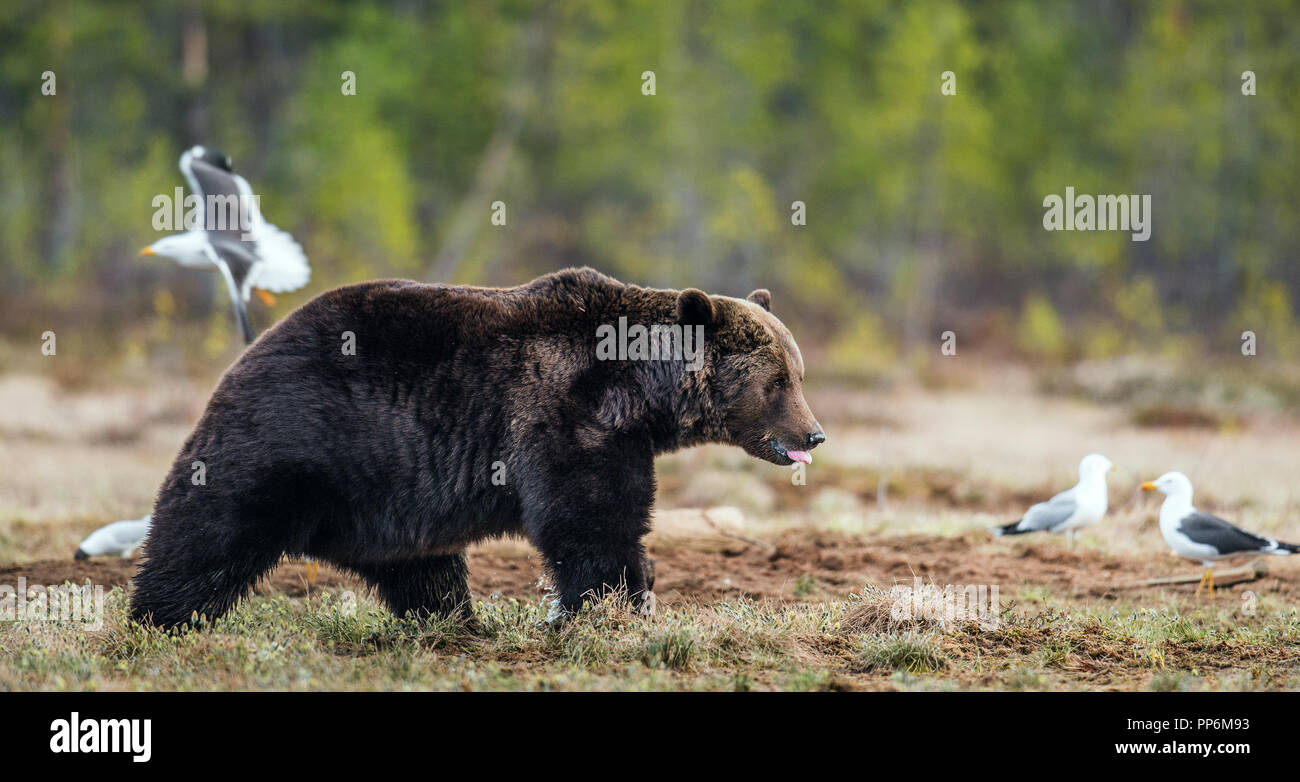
column 910, row 652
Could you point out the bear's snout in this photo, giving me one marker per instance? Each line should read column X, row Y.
column 788, row 454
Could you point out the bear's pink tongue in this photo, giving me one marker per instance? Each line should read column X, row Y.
column 800, row 456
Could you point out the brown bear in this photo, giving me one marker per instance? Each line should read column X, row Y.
column 385, row 426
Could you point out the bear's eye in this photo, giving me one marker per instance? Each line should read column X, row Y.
column 778, row 384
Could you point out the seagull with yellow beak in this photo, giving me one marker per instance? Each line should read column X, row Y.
column 1201, row 536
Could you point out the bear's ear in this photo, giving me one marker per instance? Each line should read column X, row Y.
column 694, row 308
column 762, row 298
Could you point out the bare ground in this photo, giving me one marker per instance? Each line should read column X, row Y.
column 805, row 564
column 779, row 585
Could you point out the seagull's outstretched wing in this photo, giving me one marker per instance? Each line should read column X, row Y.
column 259, row 254
column 283, row 265
column 228, row 260
column 209, row 176
column 227, row 210
column 1051, row 514
column 1225, row 536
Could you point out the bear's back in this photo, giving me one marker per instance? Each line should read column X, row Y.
column 413, row 358
column 404, row 311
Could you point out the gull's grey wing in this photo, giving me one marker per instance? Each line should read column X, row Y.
column 234, row 286
column 238, row 255
column 232, row 206
column 1050, row 514
column 209, row 176
column 1223, row 535
column 233, row 260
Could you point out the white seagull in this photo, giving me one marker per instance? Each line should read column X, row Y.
column 120, row 537
column 232, row 237
column 1083, row 504
column 1201, row 536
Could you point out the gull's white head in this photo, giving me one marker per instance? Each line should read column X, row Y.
column 187, row 249
column 1171, row 484
column 1094, row 464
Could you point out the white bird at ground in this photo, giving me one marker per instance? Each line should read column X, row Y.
column 232, row 238
column 1083, row 504
column 1202, row 536
column 121, row 538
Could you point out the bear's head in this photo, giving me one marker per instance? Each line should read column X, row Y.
column 754, row 376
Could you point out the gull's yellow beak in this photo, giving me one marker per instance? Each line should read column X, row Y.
column 1114, row 467
column 148, row 251
column 1148, row 486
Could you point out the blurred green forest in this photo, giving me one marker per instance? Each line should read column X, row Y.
column 924, row 210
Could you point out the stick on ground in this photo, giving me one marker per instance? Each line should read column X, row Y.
column 1255, row 569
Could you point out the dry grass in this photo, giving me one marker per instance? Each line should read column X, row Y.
column 329, row 642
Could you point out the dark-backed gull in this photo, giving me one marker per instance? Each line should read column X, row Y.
column 232, row 237
column 1083, row 504
column 1202, row 536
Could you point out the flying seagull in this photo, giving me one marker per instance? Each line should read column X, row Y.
column 1075, row 507
column 120, row 537
column 1196, row 535
column 232, row 237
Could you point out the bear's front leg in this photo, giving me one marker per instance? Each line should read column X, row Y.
column 590, row 573
column 588, row 523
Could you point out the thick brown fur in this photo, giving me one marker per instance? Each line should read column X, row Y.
column 464, row 413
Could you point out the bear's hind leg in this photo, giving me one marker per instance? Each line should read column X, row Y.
column 185, row 575
column 428, row 586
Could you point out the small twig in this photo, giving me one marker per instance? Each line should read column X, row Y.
column 1250, row 571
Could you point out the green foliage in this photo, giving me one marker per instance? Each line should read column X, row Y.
column 1266, row 309
column 922, row 208
column 863, row 346
column 1040, row 333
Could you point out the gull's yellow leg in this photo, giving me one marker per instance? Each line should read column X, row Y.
column 313, row 567
column 1201, row 585
column 1210, row 573
column 266, row 296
